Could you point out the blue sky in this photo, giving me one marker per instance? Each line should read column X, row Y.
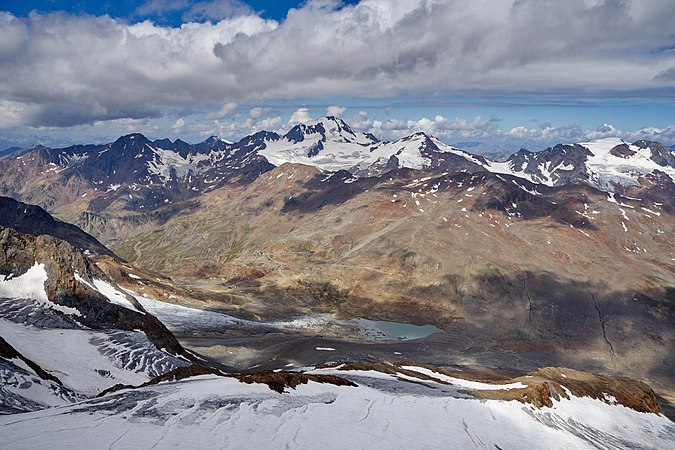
column 504, row 72
column 133, row 11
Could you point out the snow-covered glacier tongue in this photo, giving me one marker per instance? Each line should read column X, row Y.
column 393, row 407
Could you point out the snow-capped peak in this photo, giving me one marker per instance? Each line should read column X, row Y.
column 211, row 140
column 603, row 163
column 328, row 128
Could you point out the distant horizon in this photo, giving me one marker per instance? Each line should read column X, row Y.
column 480, row 147
column 505, row 73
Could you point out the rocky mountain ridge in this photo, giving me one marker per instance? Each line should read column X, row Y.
column 33, row 220
column 146, row 175
column 131, row 185
column 67, row 331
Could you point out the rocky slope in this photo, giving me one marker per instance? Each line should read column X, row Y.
column 127, row 180
column 563, row 275
column 33, row 220
column 67, row 331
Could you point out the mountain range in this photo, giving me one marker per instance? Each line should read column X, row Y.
column 113, row 189
column 168, row 260
column 180, row 169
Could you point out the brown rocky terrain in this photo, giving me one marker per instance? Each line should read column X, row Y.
column 546, row 273
column 566, row 275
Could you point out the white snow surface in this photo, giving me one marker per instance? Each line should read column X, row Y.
column 22, row 389
column 88, row 361
column 344, row 151
column 108, row 291
column 474, row 385
column 31, row 285
column 606, row 168
column 167, row 160
column 214, row 412
column 114, row 295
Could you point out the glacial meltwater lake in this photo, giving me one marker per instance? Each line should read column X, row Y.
column 380, row 329
column 189, row 321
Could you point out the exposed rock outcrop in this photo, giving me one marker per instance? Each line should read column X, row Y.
column 62, row 261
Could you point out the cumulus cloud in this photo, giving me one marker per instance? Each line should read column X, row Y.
column 268, row 124
column 300, row 115
column 178, row 126
column 224, row 111
column 63, row 70
column 258, row 111
column 439, row 126
column 336, row 111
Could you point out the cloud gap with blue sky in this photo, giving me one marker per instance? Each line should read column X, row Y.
column 507, row 73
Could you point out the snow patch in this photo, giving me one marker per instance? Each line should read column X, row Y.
column 31, row 285
column 474, row 385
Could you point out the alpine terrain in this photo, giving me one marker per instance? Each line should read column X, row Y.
column 325, row 288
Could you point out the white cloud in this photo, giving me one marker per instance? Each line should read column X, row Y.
column 336, row 111
column 80, row 69
column 258, row 111
column 361, row 121
column 224, row 111
column 63, row 70
column 268, row 124
column 300, row 115
column 178, row 126
column 439, row 126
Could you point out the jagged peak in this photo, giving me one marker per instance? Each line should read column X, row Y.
column 328, row 125
column 213, row 139
column 133, row 137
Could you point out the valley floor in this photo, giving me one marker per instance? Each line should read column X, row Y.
column 246, row 346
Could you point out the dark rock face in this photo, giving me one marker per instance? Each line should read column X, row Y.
column 298, row 132
column 656, row 187
column 33, row 220
column 559, row 165
column 256, row 141
column 19, row 252
column 661, row 155
column 622, row 151
column 144, row 175
column 315, row 149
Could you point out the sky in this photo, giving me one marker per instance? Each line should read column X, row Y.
column 504, row 73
